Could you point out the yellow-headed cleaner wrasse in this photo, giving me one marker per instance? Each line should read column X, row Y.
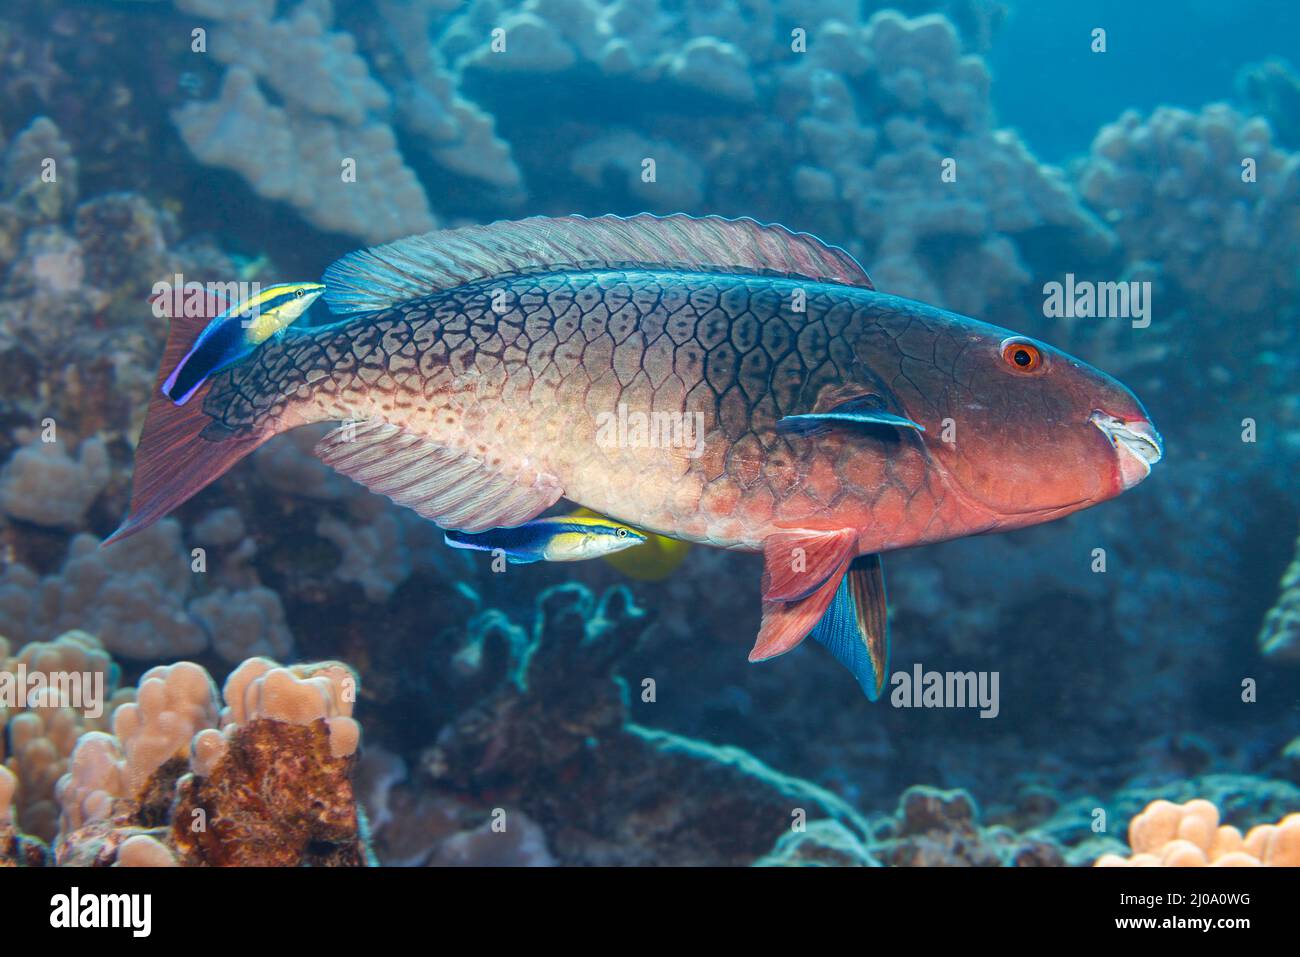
column 717, row 381
column 657, row 558
column 560, row 538
column 233, row 335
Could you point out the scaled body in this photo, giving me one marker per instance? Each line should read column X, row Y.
column 711, row 380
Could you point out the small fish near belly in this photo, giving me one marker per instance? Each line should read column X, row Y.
column 565, row 538
column 473, row 369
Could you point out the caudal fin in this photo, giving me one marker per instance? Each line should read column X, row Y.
column 175, row 459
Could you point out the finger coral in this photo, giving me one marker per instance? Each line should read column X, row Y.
column 44, row 727
column 300, row 89
column 45, row 485
column 131, row 597
column 1190, row 835
column 1207, row 195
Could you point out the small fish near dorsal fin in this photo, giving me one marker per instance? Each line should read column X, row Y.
column 452, row 488
column 864, row 410
column 376, row 278
column 855, row 627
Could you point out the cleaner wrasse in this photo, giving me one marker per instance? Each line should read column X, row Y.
column 717, row 381
column 233, row 335
column 560, row 538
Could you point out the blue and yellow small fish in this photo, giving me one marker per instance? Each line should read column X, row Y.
column 236, row 334
column 560, row 538
column 657, row 559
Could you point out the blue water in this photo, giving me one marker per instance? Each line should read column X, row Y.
column 1056, row 91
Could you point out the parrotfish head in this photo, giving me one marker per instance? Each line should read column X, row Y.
column 1035, row 433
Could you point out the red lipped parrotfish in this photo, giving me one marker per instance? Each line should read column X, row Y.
column 710, row 380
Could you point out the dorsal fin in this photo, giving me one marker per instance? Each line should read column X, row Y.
column 447, row 486
column 376, row 278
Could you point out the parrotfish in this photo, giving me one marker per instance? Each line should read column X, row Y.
column 781, row 405
column 233, row 335
column 558, row 538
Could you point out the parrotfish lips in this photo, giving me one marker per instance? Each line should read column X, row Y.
column 1137, row 445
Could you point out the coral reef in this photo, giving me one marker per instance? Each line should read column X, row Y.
column 1213, row 229
column 1279, row 635
column 878, row 102
column 49, row 716
column 544, row 706
column 934, row 828
column 267, row 780
column 1080, row 825
column 132, row 597
column 43, row 484
column 1190, row 835
column 300, row 91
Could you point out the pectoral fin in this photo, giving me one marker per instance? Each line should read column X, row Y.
column 801, row 570
column 787, row 623
column 450, row 487
column 861, row 411
column 855, row 628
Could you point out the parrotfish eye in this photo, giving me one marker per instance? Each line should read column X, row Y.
column 1022, row 355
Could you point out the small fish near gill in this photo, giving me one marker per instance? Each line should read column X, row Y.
column 477, row 367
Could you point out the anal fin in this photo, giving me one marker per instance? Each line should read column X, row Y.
column 450, row 487
column 855, row 627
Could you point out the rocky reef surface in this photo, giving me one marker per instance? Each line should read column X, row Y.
column 556, row 716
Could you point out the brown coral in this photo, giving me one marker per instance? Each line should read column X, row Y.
column 277, row 796
column 935, row 828
column 271, row 787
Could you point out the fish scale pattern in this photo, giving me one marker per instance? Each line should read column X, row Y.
column 558, row 370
